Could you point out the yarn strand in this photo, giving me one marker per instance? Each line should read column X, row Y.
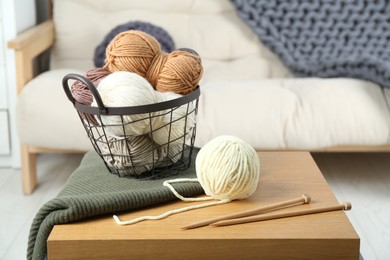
column 175, row 211
column 168, row 185
column 168, row 213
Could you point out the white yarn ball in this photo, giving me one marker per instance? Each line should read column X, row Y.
column 173, row 124
column 123, row 89
column 228, row 168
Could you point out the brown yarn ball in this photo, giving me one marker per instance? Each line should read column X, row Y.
column 83, row 95
column 180, row 74
column 139, row 52
column 132, row 51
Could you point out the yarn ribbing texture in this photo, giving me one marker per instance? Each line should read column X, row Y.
column 228, row 168
column 123, row 89
column 135, row 51
column 166, row 42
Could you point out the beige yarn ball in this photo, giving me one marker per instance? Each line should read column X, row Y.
column 135, row 155
column 171, row 154
column 124, row 89
column 228, row 168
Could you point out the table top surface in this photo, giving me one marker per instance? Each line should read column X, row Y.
column 283, row 176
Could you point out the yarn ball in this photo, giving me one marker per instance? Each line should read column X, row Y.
column 174, row 125
column 180, row 74
column 228, row 168
column 132, row 51
column 123, row 89
column 135, row 155
column 83, row 95
column 175, row 153
column 170, row 155
column 166, row 42
column 135, row 51
column 80, row 92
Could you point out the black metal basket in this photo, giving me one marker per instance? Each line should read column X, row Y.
column 140, row 155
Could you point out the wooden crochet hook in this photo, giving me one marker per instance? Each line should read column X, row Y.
column 303, row 199
column 343, row 206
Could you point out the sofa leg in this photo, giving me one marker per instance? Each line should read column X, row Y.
column 29, row 170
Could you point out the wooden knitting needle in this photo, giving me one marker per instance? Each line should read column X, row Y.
column 343, row 206
column 303, row 199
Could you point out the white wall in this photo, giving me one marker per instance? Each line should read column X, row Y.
column 17, row 16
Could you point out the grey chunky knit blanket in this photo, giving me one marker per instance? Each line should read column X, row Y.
column 92, row 191
column 325, row 38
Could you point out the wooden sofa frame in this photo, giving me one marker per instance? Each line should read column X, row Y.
column 27, row 46
column 36, row 40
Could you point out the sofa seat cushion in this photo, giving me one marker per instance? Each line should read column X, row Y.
column 294, row 113
column 45, row 116
column 289, row 113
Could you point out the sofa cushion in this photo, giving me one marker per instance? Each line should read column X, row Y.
column 307, row 113
column 300, row 113
column 45, row 116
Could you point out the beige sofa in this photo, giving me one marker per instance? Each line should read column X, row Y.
column 245, row 91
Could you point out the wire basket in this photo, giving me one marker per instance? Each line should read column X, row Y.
column 163, row 149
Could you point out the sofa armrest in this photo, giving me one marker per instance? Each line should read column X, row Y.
column 27, row 46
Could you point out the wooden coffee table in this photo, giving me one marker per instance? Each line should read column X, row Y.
column 284, row 175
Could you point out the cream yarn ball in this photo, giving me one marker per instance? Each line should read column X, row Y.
column 228, row 168
column 123, row 89
column 173, row 124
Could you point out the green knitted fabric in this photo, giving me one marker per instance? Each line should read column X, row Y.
column 91, row 191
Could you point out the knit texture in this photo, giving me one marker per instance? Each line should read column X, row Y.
column 92, row 191
column 325, row 38
column 166, row 42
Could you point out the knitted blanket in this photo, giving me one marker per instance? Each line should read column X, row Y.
column 91, row 191
column 325, row 38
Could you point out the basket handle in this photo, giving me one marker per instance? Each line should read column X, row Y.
column 90, row 86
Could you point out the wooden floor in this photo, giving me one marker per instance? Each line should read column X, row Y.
column 362, row 178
